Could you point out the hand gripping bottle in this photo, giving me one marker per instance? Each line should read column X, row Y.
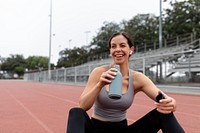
column 115, row 89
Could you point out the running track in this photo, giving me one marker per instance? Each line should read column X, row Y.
column 30, row 107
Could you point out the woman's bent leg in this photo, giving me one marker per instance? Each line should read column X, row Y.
column 169, row 124
column 154, row 121
column 79, row 121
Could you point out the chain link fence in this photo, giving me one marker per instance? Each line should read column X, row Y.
column 178, row 61
column 177, row 64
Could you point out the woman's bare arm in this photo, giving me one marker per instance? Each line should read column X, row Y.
column 99, row 77
column 143, row 83
column 91, row 90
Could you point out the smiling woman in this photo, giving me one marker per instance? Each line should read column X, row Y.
column 109, row 114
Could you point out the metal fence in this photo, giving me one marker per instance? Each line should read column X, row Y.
column 159, row 65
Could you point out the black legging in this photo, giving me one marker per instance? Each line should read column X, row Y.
column 80, row 122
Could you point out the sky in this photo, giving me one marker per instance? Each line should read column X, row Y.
column 25, row 24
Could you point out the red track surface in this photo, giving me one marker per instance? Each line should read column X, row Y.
column 28, row 107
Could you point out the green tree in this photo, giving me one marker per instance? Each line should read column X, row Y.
column 183, row 18
column 12, row 62
column 19, row 71
column 36, row 62
column 99, row 43
column 72, row 57
column 144, row 30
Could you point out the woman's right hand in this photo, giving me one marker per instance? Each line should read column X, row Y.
column 97, row 80
column 106, row 77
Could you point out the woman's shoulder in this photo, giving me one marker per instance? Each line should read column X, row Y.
column 100, row 69
column 138, row 77
column 136, row 73
column 138, row 80
column 97, row 71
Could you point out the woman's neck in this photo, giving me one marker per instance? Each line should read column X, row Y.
column 124, row 69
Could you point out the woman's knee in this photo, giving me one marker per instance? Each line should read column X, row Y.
column 77, row 112
column 166, row 118
column 164, row 115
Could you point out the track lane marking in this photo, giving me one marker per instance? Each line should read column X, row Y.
column 30, row 113
column 61, row 99
column 149, row 107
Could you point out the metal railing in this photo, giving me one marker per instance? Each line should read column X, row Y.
column 160, row 65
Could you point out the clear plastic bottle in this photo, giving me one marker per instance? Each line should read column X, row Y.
column 115, row 89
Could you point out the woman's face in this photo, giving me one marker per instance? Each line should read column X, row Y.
column 119, row 49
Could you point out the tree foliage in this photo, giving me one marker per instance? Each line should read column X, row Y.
column 37, row 62
column 99, row 43
column 12, row 62
column 181, row 18
column 19, row 70
column 17, row 64
column 143, row 28
column 184, row 17
column 72, row 57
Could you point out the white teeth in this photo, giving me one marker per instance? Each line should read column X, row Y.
column 118, row 55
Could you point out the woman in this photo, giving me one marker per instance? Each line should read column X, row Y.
column 109, row 115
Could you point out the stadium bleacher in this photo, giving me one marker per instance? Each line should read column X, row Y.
column 181, row 56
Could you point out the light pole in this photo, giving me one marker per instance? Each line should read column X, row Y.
column 1, row 73
column 160, row 26
column 87, row 32
column 59, row 50
column 0, row 64
column 70, row 42
column 49, row 63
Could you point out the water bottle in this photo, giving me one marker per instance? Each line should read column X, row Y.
column 115, row 89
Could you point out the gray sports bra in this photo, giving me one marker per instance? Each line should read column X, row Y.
column 114, row 110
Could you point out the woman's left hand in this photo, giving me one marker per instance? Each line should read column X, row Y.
column 166, row 105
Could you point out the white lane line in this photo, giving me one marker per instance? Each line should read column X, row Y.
column 149, row 107
column 31, row 114
column 62, row 99
column 176, row 112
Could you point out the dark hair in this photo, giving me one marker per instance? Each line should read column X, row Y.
column 126, row 35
